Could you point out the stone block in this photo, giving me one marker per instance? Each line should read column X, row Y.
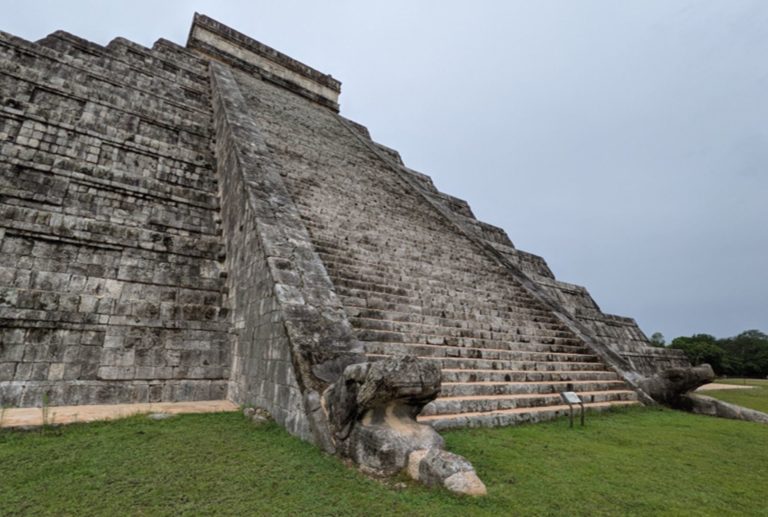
column 11, row 352
column 7, row 371
column 115, row 372
column 118, row 357
column 88, row 304
column 29, row 371
column 56, row 371
column 8, row 296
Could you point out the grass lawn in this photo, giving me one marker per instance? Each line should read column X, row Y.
column 742, row 382
column 755, row 398
column 633, row 462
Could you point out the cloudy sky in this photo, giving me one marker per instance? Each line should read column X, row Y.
column 625, row 142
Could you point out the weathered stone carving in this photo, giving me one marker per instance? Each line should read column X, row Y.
column 704, row 405
column 373, row 409
column 668, row 386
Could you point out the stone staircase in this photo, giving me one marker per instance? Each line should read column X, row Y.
column 494, row 373
column 411, row 284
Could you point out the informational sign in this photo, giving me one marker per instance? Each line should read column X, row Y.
column 570, row 397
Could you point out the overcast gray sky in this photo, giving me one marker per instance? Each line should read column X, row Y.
column 625, row 142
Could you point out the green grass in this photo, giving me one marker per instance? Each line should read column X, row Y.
column 748, row 382
column 753, row 398
column 634, row 462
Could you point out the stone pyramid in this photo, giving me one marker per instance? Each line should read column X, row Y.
column 199, row 222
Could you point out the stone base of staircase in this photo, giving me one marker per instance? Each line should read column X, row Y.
column 515, row 416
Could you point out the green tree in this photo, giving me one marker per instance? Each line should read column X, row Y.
column 747, row 354
column 702, row 348
column 657, row 339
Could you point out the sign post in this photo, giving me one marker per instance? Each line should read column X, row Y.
column 571, row 398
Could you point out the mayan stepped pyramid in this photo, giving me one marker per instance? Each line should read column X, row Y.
column 200, row 223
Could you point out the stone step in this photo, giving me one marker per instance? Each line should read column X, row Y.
column 45, row 316
column 138, row 72
column 446, row 272
column 134, row 64
column 486, row 403
column 368, row 229
column 122, row 123
column 368, row 252
column 66, row 143
column 412, row 279
column 40, row 68
column 536, row 340
column 469, row 375
column 532, row 344
column 416, row 253
column 108, row 178
column 425, row 316
column 128, row 123
column 467, row 315
column 514, row 416
column 414, row 288
column 452, row 307
column 65, row 306
column 166, row 164
column 44, row 222
column 408, row 240
column 414, row 283
column 493, row 354
column 485, row 388
column 409, row 294
column 504, row 365
column 168, row 63
column 104, row 202
column 180, row 56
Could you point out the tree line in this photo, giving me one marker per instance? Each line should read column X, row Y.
column 745, row 355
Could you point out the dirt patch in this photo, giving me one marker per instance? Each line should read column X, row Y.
column 718, row 386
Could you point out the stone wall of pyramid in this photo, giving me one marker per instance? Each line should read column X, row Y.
column 112, row 283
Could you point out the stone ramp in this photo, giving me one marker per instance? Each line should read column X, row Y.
column 411, row 284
